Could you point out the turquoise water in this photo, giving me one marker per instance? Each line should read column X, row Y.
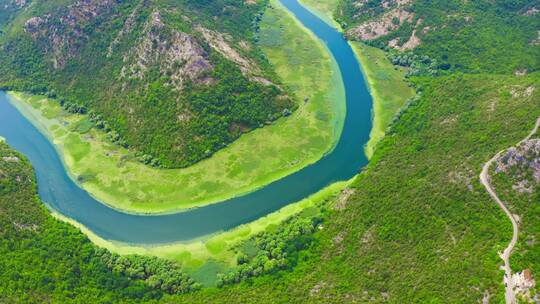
column 63, row 195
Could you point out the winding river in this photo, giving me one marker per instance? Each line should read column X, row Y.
column 64, row 196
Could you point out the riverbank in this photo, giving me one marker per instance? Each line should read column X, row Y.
column 388, row 87
column 112, row 174
column 387, row 83
column 205, row 248
column 324, row 9
column 208, row 256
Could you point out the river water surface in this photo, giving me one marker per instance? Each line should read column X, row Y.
column 64, row 196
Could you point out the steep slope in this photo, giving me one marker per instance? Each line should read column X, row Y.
column 416, row 219
column 174, row 80
column 472, row 36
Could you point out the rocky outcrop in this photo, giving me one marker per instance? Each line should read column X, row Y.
column 128, row 26
column 524, row 283
column 382, row 26
column 524, row 157
column 13, row 159
column 176, row 54
column 62, row 34
column 531, row 12
column 197, row 66
column 386, row 18
column 362, row 9
column 222, row 44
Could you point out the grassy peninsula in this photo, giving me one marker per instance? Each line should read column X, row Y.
column 113, row 175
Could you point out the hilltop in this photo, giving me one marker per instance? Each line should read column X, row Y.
column 175, row 81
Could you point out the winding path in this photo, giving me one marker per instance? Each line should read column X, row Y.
column 505, row 256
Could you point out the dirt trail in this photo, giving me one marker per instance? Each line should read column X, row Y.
column 505, row 256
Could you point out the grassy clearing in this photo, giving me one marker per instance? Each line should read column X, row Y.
column 112, row 175
column 387, row 86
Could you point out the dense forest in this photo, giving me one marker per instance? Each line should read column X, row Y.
column 43, row 260
column 432, row 233
column 174, row 80
column 419, row 227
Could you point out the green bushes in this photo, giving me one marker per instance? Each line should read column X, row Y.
column 157, row 273
column 269, row 252
column 516, row 185
column 418, row 219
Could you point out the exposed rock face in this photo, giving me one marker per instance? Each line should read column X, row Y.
column 371, row 10
column 525, row 157
column 219, row 42
column 128, row 26
column 222, row 44
column 387, row 17
column 14, row 159
column 341, row 202
column 524, row 283
column 177, row 54
column 382, row 26
column 62, row 34
column 195, row 65
column 531, row 11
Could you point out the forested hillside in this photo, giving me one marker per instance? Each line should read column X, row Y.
column 174, row 80
column 470, row 36
column 43, row 260
column 419, row 227
column 516, row 178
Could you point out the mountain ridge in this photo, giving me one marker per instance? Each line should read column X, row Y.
column 170, row 86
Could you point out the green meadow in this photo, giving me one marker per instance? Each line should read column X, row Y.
column 113, row 175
